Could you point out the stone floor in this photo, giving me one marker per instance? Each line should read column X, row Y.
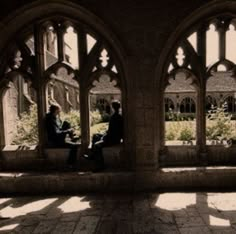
column 120, row 213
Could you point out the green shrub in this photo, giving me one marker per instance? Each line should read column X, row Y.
column 170, row 136
column 95, row 117
column 27, row 127
column 219, row 126
column 186, row 134
column 27, row 124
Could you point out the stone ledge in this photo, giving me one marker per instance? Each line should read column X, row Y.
column 166, row 179
column 13, row 158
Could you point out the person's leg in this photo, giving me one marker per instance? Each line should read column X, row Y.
column 96, row 138
column 98, row 156
column 72, row 157
column 65, row 126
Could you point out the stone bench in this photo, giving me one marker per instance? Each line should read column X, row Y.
column 58, row 156
column 112, row 156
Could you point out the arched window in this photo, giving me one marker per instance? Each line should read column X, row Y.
column 61, row 59
column 179, row 119
column 187, row 105
column 230, row 104
column 210, row 103
column 105, row 88
column 169, row 105
column 206, row 51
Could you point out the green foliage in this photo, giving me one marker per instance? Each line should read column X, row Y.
column 186, row 134
column 170, row 136
column 219, row 126
column 27, row 128
column 95, row 117
column 27, row 125
column 180, row 130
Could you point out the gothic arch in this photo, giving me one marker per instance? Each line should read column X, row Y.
column 202, row 15
column 34, row 13
column 44, row 9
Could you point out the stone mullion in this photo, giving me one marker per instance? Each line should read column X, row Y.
column 222, row 43
column 82, row 47
column 86, row 63
column 201, row 119
column 41, row 97
column 60, row 38
column 201, row 44
column 201, row 95
column 84, row 117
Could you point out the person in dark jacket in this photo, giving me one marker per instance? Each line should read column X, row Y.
column 57, row 132
column 113, row 136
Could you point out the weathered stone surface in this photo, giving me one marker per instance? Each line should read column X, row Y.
column 121, row 214
column 64, row 228
column 45, row 227
column 87, row 225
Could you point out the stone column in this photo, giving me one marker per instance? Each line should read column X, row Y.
column 84, row 117
column 201, row 97
column 146, row 157
column 40, row 85
column 60, row 39
column 128, row 156
column 222, row 41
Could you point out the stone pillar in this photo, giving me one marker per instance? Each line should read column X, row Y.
column 201, row 125
column 60, row 39
column 40, row 85
column 146, row 157
column 222, row 41
column 84, row 117
column 201, row 97
column 128, row 155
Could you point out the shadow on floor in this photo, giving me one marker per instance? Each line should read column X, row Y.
column 120, row 213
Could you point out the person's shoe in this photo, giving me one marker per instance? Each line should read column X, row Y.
column 88, row 156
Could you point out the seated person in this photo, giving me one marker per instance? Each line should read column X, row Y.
column 112, row 137
column 57, row 132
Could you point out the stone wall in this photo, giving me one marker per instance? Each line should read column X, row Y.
column 143, row 29
column 11, row 112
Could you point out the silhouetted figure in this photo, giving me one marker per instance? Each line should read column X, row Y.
column 112, row 137
column 57, row 132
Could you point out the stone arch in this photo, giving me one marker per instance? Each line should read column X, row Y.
column 41, row 10
column 44, row 9
column 207, row 11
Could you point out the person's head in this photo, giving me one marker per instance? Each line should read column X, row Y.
column 55, row 109
column 116, row 105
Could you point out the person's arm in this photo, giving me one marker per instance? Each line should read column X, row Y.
column 56, row 128
column 59, row 131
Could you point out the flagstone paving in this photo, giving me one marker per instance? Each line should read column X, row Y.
column 144, row 213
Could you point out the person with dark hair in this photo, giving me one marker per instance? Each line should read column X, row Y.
column 57, row 132
column 113, row 136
